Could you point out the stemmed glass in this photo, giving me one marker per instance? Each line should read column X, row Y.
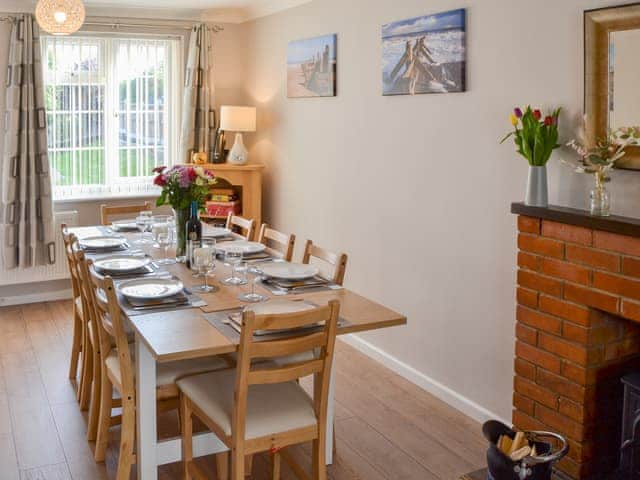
column 233, row 257
column 143, row 221
column 204, row 261
column 165, row 240
column 159, row 224
column 253, row 297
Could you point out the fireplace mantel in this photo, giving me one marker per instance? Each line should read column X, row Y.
column 572, row 216
column 577, row 329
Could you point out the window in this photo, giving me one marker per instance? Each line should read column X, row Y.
column 111, row 112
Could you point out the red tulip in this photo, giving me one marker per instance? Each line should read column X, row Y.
column 192, row 174
column 158, row 169
column 548, row 121
column 537, row 114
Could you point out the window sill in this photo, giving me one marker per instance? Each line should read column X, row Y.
column 99, row 197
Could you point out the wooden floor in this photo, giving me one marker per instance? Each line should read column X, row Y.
column 386, row 427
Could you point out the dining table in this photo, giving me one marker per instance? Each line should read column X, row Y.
column 192, row 332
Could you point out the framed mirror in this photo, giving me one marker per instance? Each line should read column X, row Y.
column 612, row 74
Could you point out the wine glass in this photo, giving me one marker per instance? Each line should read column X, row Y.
column 204, row 261
column 143, row 221
column 165, row 240
column 252, row 297
column 233, row 257
column 159, row 224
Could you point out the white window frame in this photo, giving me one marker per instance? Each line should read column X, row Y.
column 132, row 187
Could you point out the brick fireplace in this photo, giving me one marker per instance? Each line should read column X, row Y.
column 577, row 330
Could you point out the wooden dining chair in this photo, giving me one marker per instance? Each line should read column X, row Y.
column 278, row 244
column 259, row 407
column 337, row 261
column 108, row 211
column 81, row 353
column 89, row 295
column 76, row 345
column 117, row 363
column 246, row 226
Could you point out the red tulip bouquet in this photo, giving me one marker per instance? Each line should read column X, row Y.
column 536, row 138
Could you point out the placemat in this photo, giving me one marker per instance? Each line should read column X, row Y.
column 219, row 321
column 278, row 292
column 194, row 301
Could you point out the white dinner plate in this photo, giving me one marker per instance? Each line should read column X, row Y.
column 245, row 247
column 279, row 307
column 289, row 271
column 122, row 263
column 124, row 225
column 103, row 242
column 151, row 288
column 215, row 232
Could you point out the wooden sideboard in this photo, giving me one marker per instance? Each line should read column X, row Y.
column 247, row 179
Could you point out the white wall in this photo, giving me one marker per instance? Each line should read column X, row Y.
column 417, row 189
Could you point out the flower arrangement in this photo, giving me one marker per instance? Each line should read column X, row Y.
column 602, row 157
column 599, row 159
column 182, row 185
column 535, row 137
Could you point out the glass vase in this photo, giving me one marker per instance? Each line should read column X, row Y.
column 182, row 217
column 600, row 198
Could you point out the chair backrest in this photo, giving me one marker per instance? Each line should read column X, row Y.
column 89, row 300
column 70, row 240
column 245, row 225
column 319, row 341
column 278, row 244
column 337, row 260
column 107, row 211
column 110, row 322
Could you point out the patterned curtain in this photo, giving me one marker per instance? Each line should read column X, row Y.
column 26, row 211
column 197, row 110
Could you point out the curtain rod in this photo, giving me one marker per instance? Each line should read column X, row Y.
column 116, row 25
column 214, row 28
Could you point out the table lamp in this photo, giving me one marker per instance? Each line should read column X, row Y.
column 238, row 119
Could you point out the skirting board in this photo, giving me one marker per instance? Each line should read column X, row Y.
column 36, row 297
column 437, row 389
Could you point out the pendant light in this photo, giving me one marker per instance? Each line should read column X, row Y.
column 60, row 17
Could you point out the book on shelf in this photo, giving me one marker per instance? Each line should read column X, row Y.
column 222, row 209
column 222, row 198
column 223, row 191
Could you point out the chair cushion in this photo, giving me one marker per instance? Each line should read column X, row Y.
column 270, row 408
column 168, row 373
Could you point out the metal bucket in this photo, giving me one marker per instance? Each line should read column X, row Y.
column 540, row 467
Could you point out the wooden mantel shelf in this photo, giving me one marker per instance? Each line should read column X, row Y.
column 614, row 224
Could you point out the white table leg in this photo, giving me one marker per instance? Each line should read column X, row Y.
column 330, row 418
column 147, row 463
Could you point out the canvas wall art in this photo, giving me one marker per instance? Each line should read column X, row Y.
column 425, row 54
column 311, row 67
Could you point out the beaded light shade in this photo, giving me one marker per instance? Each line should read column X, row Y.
column 60, row 17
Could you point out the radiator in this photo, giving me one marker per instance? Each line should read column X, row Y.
column 57, row 271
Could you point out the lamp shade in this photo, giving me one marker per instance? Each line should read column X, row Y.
column 237, row 119
column 60, row 17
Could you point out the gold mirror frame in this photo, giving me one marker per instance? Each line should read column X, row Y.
column 598, row 25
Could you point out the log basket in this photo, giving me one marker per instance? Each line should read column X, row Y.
column 550, row 447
